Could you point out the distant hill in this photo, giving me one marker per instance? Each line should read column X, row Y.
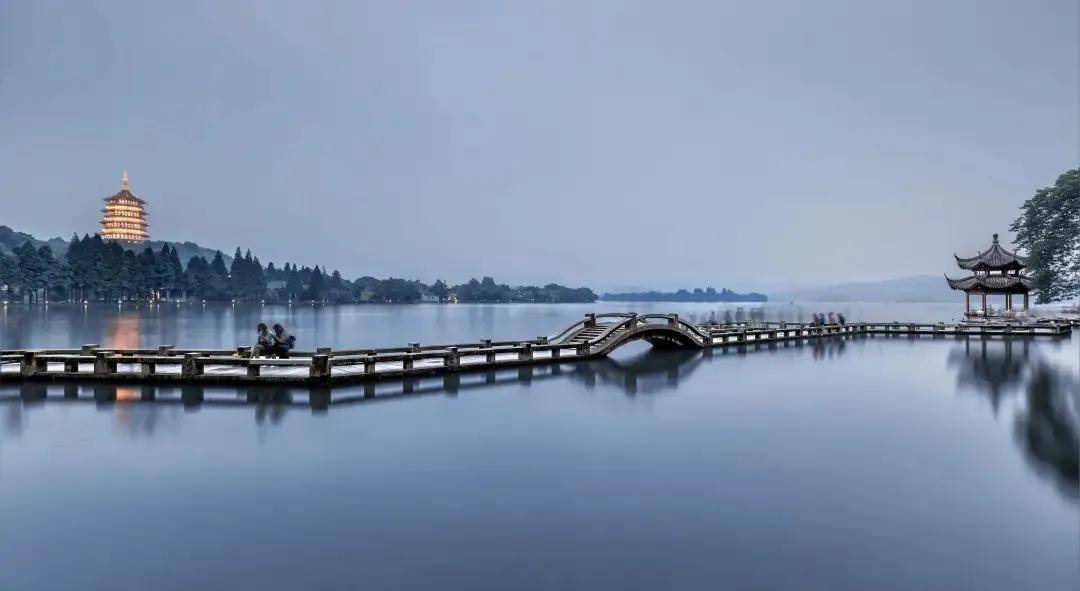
column 918, row 288
column 11, row 239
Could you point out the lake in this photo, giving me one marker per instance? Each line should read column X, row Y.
column 848, row 463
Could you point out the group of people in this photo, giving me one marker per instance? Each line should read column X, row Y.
column 272, row 342
column 830, row 318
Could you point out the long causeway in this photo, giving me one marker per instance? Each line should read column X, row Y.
column 592, row 337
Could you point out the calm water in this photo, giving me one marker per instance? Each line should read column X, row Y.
column 865, row 463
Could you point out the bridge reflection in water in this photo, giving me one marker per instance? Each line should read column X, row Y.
column 1046, row 395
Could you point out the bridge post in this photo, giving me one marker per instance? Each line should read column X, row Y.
column 526, row 352
column 407, row 362
column 453, row 358
column 673, row 320
column 555, row 351
column 707, row 340
column 71, row 365
column 191, row 366
column 369, row 364
column 414, row 347
column 28, row 366
column 590, row 320
column 582, row 350
column 320, row 367
column 103, row 363
column 148, row 368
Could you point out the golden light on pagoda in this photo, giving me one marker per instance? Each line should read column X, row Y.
column 125, row 216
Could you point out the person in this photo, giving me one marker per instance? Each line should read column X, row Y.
column 840, row 318
column 264, row 341
column 281, row 342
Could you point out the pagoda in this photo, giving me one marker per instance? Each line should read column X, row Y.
column 994, row 271
column 125, row 216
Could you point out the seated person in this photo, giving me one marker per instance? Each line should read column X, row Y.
column 282, row 342
column 263, row 341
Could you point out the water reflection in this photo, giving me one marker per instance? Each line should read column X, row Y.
column 1048, row 428
column 650, row 372
column 1047, row 420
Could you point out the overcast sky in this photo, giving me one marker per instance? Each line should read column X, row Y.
column 617, row 143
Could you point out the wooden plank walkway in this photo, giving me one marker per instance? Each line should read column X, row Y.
column 594, row 336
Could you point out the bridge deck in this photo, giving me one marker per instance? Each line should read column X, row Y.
column 595, row 336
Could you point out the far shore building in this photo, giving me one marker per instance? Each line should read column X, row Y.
column 125, row 216
column 995, row 271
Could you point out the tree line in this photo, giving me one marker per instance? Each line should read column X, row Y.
column 94, row 269
column 708, row 294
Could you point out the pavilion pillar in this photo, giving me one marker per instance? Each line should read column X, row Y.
column 1025, row 301
column 984, row 304
column 967, row 304
column 1008, row 302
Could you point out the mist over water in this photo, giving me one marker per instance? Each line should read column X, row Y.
column 351, row 326
column 846, row 463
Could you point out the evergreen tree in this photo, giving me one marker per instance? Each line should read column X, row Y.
column 1049, row 229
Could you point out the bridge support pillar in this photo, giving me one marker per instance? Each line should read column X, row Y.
column 191, row 366
column 320, row 367
column 369, row 364
column 582, row 350
column 407, row 362
column 28, row 366
column 526, row 352
column 453, row 358
column 104, row 363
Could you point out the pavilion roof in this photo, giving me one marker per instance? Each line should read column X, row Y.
column 991, row 282
column 994, row 257
column 125, row 194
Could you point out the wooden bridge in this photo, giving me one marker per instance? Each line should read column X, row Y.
column 595, row 336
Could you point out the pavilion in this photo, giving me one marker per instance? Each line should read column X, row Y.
column 995, row 271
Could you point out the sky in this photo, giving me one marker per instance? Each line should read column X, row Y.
column 613, row 144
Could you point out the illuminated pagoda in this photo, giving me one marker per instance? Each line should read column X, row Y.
column 995, row 271
column 125, row 216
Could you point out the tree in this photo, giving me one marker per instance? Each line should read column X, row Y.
column 440, row 290
column 33, row 269
column 1048, row 227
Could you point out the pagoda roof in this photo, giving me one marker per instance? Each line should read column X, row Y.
column 125, row 194
column 990, row 282
column 994, row 257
